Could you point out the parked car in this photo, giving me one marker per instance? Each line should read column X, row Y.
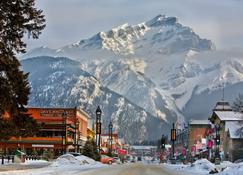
column 74, row 154
column 133, row 160
column 106, row 159
column 238, row 161
column 117, row 160
column 139, row 158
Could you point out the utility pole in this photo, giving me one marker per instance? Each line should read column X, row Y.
column 98, row 127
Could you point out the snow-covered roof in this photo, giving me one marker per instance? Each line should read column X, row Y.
column 235, row 129
column 143, row 147
column 229, row 115
column 199, row 122
column 222, row 106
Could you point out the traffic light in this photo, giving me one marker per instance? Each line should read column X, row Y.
column 173, row 134
column 163, row 143
column 217, row 140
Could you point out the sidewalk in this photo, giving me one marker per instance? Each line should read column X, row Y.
column 22, row 166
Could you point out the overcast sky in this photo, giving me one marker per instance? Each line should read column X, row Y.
column 71, row 20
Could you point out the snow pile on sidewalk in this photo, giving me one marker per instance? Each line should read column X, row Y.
column 68, row 159
column 202, row 166
column 233, row 169
column 34, row 162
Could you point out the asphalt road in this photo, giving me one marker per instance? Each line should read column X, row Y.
column 131, row 169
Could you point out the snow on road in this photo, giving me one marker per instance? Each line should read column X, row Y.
column 130, row 169
column 82, row 165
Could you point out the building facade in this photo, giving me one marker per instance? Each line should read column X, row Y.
column 229, row 125
column 62, row 130
column 192, row 140
column 198, row 137
column 106, row 142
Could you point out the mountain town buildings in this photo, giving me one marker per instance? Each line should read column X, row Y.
column 229, row 125
column 62, row 130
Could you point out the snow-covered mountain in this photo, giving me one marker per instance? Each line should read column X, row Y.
column 61, row 82
column 160, row 65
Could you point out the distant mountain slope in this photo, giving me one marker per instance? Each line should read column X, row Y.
column 60, row 82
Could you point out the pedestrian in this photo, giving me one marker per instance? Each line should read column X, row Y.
column 161, row 157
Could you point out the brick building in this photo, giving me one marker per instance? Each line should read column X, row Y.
column 62, row 130
column 197, row 138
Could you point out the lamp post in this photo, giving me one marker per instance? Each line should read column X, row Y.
column 98, row 126
column 76, row 136
column 110, row 137
column 64, row 134
column 217, row 140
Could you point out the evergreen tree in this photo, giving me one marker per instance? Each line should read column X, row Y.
column 17, row 17
column 238, row 104
column 90, row 150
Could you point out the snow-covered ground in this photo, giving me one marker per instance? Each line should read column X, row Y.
column 233, row 169
column 199, row 167
column 203, row 167
column 66, row 164
column 69, row 164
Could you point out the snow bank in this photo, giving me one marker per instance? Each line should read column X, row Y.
column 233, row 169
column 34, row 162
column 202, row 166
column 69, row 159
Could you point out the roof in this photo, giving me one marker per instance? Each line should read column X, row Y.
column 229, row 115
column 235, row 129
column 143, row 147
column 222, row 106
column 200, row 122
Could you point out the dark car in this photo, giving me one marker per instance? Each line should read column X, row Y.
column 74, row 154
column 238, row 161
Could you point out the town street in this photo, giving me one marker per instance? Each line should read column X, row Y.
column 132, row 169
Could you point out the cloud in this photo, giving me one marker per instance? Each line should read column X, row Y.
column 72, row 20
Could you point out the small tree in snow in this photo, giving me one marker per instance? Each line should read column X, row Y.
column 90, row 150
column 238, row 104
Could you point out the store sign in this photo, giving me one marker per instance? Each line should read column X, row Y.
column 204, row 141
column 210, row 144
column 56, row 112
column 42, row 146
column 193, row 148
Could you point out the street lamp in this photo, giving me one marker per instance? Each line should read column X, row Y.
column 98, row 126
column 217, row 140
column 64, row 134
column 110, row 136
column 76, row 136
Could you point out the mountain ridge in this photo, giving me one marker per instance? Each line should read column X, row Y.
column 159, row 65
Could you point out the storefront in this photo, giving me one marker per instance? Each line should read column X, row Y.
column 62, row 130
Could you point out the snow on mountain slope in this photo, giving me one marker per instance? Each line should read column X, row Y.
column 159, row 65
column 163, row 35
column 60, row 82
column 126, row 77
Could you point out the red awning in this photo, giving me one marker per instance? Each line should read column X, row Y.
column 122, row 151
